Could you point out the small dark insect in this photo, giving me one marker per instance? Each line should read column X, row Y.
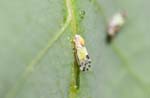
column 82, row 14
column 115, row 24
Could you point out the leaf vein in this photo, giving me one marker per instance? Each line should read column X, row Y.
column 29, row 69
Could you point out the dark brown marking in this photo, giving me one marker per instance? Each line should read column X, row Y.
column 87, row 56
column 89, row 62
column 83, row 68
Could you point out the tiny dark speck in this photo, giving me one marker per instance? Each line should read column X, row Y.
column 84, row 69
column 87, row 56
column 89, row 62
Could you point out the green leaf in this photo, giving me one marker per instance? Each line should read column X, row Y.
column 37, row 53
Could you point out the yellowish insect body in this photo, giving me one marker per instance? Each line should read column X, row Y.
column 81, row 53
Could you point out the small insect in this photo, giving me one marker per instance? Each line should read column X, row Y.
column 82, row 14
column 81, row 53
column 115, row 24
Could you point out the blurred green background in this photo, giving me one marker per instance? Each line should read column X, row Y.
column 119, row 70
